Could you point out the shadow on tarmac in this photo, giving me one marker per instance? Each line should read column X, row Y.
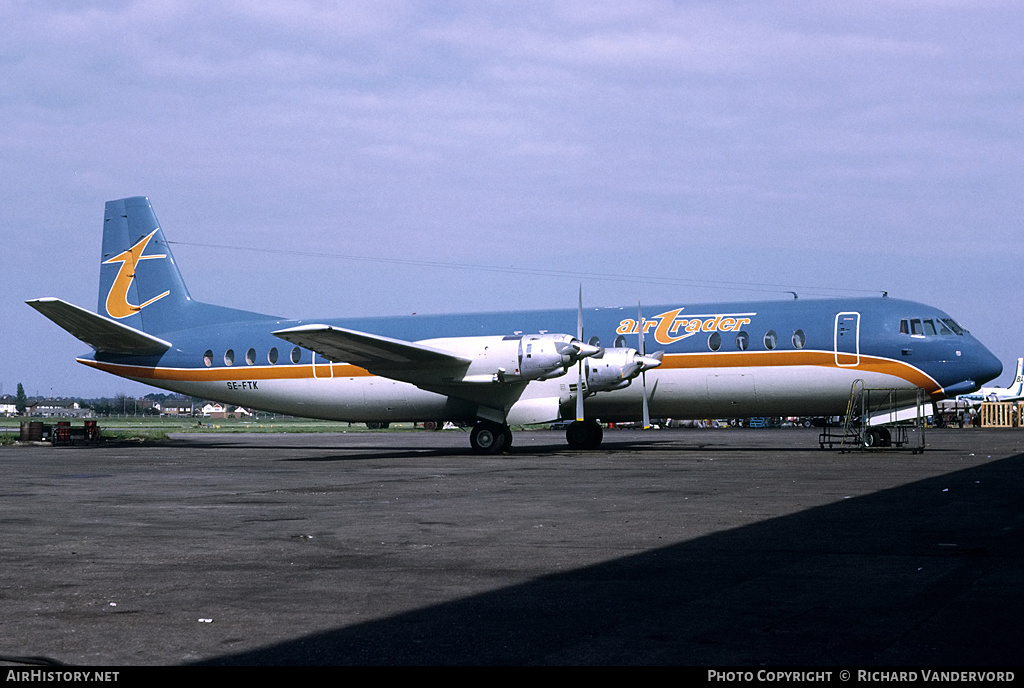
column 924, row 574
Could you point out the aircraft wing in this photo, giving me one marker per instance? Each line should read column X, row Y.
column 99, row 332
column 429, row 368
column 373, row 352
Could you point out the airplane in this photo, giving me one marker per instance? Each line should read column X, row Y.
column 494, row 370
column 1015, row 392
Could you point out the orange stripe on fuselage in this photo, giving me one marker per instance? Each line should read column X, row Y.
column 739, row 359
column 284, row 372
column 821, row 359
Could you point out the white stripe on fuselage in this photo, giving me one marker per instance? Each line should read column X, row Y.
column 720, row 392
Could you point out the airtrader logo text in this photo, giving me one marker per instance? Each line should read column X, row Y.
column 118, row 305
column 671, row 326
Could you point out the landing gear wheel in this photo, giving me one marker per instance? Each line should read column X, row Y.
column 879, row 437
column 584, row 434
column 489, row 438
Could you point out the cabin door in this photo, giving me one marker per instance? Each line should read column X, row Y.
column 847, row 339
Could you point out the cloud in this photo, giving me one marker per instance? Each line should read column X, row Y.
column 650, row 136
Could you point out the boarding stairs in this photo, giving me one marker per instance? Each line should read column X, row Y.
column 879, row 418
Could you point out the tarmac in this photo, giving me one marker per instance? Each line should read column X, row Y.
column 708, row 547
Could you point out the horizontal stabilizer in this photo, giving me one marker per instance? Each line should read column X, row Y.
column 102, row 334
column 370, row 351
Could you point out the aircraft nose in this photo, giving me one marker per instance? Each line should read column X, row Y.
column 987, row 368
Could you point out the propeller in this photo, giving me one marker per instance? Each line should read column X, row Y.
column 645, row 361
column 579, row 364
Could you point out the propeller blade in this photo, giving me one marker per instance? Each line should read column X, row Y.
column 579, row 364
column 647, row 412
column 579, row 317
column 643, row 374
column 640, row 324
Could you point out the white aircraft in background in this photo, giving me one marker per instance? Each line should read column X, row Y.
column 1015, row 392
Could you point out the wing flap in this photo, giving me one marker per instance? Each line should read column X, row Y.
column 101, row 333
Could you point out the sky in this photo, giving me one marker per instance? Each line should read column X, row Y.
column 339, row 159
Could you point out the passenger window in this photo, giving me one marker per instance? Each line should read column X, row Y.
column 742, row 340
column 229, row 357
column 770, row 339
column 250, row 356
column 296, row 355
column 620, row 342
column 715, row 341
column 208, row 358
column 272, row 355
column 799, row 339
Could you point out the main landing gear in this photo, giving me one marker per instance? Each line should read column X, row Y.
column 488, row 437
column 584, row 434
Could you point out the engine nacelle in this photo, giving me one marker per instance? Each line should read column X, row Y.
column 617, row 368
column 515, row 358
column 544, row 356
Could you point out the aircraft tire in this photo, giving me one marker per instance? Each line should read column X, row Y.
column 586, row 434
column 877, row 438
column 489, row 438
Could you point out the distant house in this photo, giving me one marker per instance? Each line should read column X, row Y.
column 8, row 405
column 214, row 411
column 221, row 411
column 49, row 408
column 177, row 408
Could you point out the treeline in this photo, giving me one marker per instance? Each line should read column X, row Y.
column 118, row 405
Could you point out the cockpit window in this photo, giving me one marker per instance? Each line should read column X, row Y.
column 930, row 327
column 953, row 325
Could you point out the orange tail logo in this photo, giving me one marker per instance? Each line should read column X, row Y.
column 117, row 297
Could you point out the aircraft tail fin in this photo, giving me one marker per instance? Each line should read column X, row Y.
column 1018, row 379
column 140, row 285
